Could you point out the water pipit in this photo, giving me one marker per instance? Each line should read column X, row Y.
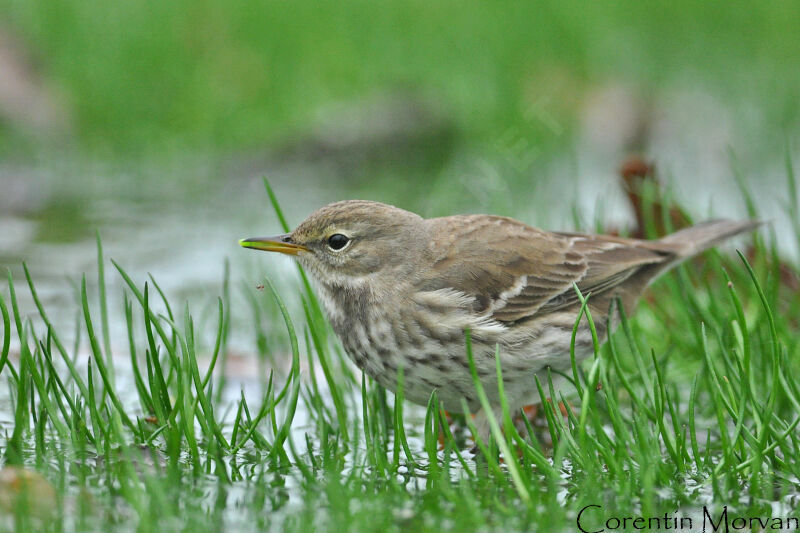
column 401, row 291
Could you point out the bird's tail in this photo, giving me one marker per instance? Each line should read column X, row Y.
column 691, row 241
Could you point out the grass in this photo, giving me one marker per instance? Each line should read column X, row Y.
column 237, row 75
column 692, row 402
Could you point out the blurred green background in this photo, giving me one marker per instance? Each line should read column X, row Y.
column 145, row 117
column 144, row 76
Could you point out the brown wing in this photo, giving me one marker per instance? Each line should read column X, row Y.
column 515, row 271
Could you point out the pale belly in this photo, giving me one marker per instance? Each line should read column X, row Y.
column 424, row 339
column 442, row 365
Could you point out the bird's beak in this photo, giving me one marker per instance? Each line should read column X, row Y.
column 278, row 243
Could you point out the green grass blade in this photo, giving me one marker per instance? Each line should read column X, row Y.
column 145, row 399
column 101, row 283
column 511, row 460
column 6, row 340
column 74, row 374
column 283, row 432
column 191, row 358
column 99, row 361
column 338, row 402
column 217, row 344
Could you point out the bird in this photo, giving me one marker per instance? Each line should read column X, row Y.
column 402, row 291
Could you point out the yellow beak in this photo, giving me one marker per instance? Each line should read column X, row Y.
column 278, row 243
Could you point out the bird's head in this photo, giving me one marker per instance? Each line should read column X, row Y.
column 345, row 244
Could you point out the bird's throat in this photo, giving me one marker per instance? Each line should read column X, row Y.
column 345, row 304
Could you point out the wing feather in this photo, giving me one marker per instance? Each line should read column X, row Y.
column 514, row 272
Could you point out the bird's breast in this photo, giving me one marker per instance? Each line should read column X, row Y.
column 424, row 335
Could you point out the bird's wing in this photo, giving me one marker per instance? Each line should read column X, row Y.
column 514, row 271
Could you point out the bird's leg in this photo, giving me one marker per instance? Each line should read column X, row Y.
column 449, row 420
column 531, row 412
column 482, row 425
column 457, row 425
column 535, row 416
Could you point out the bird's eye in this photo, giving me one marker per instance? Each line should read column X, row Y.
column 337, row 241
